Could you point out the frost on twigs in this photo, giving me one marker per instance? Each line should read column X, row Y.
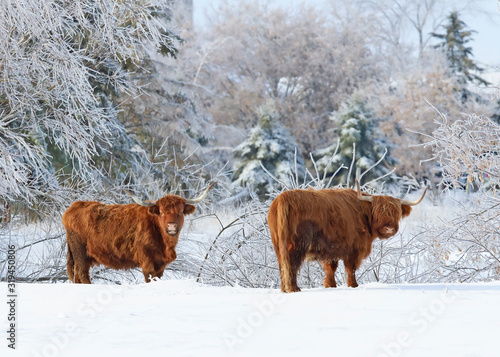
column 467, row 151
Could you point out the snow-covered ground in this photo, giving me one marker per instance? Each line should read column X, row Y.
column 183, row 318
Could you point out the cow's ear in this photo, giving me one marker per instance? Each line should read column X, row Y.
column 188, row 209
column 154, row 209
column 406, row 210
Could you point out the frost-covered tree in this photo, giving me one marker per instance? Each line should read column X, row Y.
column 405, row 105
column 454, row 42
column 361, row 144
column 62, row 62
column 301, row 60
column 271, row 146
column 168, row 107
column 409, row 102
column 421, row 18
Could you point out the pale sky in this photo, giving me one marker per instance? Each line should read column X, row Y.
column 485, row 44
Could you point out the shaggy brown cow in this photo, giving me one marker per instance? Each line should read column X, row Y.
column 125, row 236
column 329, row 225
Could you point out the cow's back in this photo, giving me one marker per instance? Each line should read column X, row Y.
column 322, row 206
column 77, row 217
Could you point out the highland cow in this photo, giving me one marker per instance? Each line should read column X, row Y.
column 125, row 236
column 330, row 225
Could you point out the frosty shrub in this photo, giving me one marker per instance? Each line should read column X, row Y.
column 467, row 151
column 240, row 253
column 467, row 247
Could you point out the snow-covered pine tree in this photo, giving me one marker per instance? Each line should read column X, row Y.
column 454, row 44
column 356, row 128
column 273, row 146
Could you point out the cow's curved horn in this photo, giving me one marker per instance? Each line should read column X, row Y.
column 138, row 200
column 202, row 197
column 414, row 203
column 360, row 196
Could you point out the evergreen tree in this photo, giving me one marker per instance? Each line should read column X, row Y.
column 356, row 125
column 273, row 146
column 454, row 42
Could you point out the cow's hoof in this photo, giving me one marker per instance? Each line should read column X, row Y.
column 329, row 284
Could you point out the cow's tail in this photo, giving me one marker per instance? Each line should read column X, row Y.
column 282, row 238
column 70, row 265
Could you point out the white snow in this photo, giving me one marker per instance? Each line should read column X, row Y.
column 183, row 318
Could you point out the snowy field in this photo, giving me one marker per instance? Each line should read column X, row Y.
column 183, row 318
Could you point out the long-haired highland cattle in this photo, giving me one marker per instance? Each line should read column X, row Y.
column 331, row 225
column 125, row 236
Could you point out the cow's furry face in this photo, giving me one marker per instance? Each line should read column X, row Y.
column 170, row 211
column 386, row 214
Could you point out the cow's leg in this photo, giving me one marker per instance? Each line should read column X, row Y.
column 293, row 287
column 281, row 268
column 291, row 259
column 280, row 264
column 82, row 271
column 148, row 275
column 160, row 265
column 278, row 256
column 70, row 265
column 159, row 269
column 285, row 268
column 351, row 264
column 82, row 263
column 330, row 267
column 297, row 256
column 148, row 269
